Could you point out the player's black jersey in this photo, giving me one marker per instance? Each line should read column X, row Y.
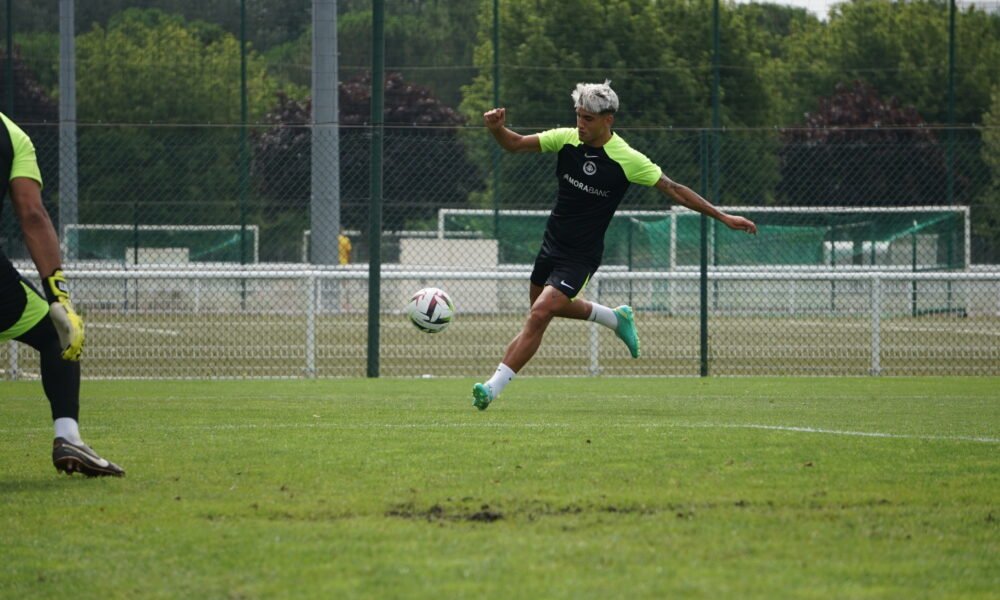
column 592, row 183
column 17, row 159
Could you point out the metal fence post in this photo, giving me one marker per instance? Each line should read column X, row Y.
column 876, row 307
column 311, row 284
column 595, row 335
column 12, row 355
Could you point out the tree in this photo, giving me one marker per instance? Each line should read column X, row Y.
column 901, row 48
column 151, row 67
column 425, row 165
column 860, row 149
column 658, row 56
column 36, row 113
column 430, row 43
column 986, row 225
column 32, row 103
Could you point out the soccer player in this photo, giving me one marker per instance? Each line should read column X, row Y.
column 46, row 322
column 595, row 167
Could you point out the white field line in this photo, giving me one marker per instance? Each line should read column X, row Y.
column 874, row 434
column 892, row 327
column 132, row 328
column 515, row 426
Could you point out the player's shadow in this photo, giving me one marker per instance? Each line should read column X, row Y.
column 43, row 484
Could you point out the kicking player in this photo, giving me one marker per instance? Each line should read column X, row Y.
column 595, row 167
column 46, row 322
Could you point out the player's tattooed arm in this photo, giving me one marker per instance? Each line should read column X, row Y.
column 685, row 196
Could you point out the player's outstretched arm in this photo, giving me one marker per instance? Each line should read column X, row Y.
column 496, row 121
column 39, row 234
column 43, row 245
column 685, row 196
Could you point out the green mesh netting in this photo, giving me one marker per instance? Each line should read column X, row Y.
column 920, row 239
column 126, row 244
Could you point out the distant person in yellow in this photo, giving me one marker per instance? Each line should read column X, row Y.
column 45, row 321
column 344, row 245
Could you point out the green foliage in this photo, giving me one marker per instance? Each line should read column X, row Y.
column 658, row 57
column 424, row 162
column 987, row 223
column 859, row 148
column 40, row 55
column 151, row 67
column 148, row 66
column 901, row 48
column 429, row 43
column 564, row 488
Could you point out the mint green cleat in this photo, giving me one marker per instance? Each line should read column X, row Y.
column 626, row 329
column 481, row 396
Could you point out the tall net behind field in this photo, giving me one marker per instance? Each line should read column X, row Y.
column 818, row 237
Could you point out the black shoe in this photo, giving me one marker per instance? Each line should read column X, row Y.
column 79, row 458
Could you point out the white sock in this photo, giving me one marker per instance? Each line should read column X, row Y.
column 68, row 429
column 500, row 379
column 603, row 315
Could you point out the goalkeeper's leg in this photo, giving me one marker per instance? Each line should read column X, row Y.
column 61, row 383
column 60, row 378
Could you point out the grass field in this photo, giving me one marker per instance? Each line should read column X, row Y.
column 565, row 488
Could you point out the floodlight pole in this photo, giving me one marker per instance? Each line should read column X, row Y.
column 244, row 154
column 324, row 203
column 68, row 195
column 951, row 103
column 375, row 203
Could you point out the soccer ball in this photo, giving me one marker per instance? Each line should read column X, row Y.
column 431, row 310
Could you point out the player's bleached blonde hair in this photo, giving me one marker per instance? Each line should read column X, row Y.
column 595, row 97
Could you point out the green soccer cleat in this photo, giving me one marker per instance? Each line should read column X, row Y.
column 481, row 396
column 626, row 329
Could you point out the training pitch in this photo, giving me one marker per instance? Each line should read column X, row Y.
column 564, row 488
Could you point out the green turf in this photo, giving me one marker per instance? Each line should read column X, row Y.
column 564, row 488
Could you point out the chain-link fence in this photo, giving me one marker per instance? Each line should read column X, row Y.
column 196, row 249
column 197, row 275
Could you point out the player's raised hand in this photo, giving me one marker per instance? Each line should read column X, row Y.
column 495, row 119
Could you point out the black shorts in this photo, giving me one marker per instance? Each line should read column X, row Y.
column 568, row 277
column 21, row 307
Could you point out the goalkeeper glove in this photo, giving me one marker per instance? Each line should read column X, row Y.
column 68, row 323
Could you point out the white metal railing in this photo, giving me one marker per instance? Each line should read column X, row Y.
column 978, row 288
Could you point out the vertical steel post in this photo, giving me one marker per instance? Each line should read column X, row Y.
column 951, row 103
column 68, row 194
column 703, row 286
column 495, row 149
column 244, row 154
column 876, row 331
column 324, row 201
column 375, row 204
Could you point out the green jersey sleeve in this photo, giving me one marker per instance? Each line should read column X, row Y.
column 554, row 139
column 638, row 168
column 25, row 163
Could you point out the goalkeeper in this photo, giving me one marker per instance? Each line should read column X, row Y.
column 595, row 168
column 45, row 321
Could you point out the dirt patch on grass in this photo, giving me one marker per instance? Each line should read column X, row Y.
column 484, row 514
